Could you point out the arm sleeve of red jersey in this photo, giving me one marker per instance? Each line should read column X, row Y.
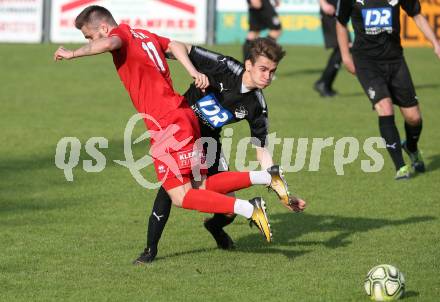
column 343, row 11
column 411, row 7
column 118, row 32
column 163, row 41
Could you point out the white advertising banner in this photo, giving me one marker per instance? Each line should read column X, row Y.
column 285, row 6
column 21, row 20
column 183, row 20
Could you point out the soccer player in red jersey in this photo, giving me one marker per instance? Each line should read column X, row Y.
column 139, row 57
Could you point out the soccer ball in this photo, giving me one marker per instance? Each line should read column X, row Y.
column 384, row 283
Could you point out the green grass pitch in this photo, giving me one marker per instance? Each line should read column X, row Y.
column 62, row 241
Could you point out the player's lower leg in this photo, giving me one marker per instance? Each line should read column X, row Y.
column 156, row 224
column 227, row 182
column 390, row 134
column 325, row 83
column 215, row 226
column 213, row 202
column 273, row 178
column 410, row 146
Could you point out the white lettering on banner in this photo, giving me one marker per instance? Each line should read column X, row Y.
column 183, row 20
column 286, row 6
column 21, row 21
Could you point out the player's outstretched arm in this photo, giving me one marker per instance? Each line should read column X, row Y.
column 180, row 51
column 93, row 48
column 343, row 41
column 426, row 29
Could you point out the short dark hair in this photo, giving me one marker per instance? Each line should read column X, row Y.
column 92, row 14
column 265, row 47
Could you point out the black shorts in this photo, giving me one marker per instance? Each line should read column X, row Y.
column 381, row 80
column 214, row 158
column 329, row 30
column 264, row 18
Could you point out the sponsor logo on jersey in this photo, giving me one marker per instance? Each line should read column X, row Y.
column 212, row 111
column 241, row 112
column 377, row 20
column 184, row 158
column 161, row 169
column 371, row 93
column 222, row 88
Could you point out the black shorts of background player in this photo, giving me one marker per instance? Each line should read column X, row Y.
column 234, row 94
column 377, row 60
column 328, row 21
column 262, row 15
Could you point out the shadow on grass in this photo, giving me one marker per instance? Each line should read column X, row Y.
column 297, row 72
column 427, row 86
column 433, row 163
column 24, row 178
column 287, row 227
column 410, row 294
column 360, row 93
column 178, row 254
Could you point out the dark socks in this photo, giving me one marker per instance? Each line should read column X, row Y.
column 390, row 134
column 412, row 136
column 158, row 219
column 221, row 220
column 331, row 70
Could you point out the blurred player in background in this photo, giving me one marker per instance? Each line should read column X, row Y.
column 324, row 86
column 234, row 95
column 139, row 57
column 381, row 69
column 262, row 15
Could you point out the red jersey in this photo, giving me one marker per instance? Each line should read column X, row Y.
column 142, row 67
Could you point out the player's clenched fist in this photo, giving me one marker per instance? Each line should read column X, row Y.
column 200, row 80
column 63, row 53
column 295, row 204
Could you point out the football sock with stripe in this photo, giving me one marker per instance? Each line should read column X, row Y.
column 158, row 218
column 412, row 136
column 390, row 134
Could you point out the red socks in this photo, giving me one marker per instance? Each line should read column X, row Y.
column 212, row 199
column 227, row 182
column 208, row 202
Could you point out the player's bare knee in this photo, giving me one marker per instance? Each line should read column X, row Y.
column 413, row 120
column 412, row 115
column 384, row 107
column 177, row 194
